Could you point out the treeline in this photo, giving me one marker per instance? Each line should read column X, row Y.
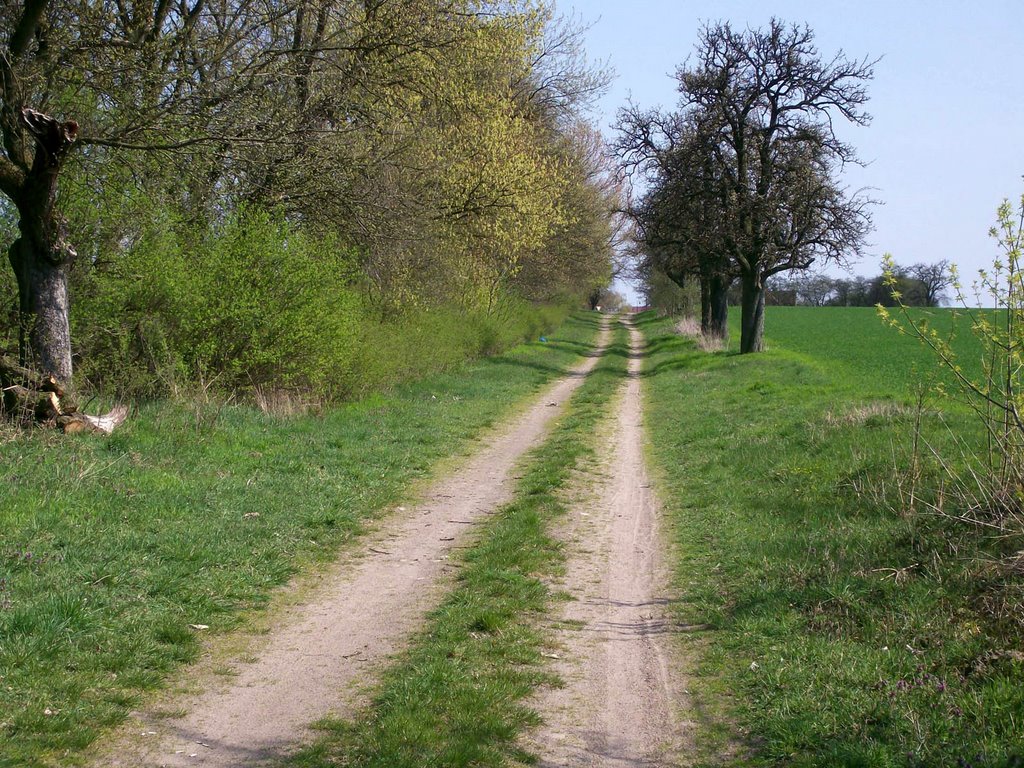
column 312, row 194
column 919, row 285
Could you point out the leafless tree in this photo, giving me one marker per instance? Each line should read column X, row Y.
column 934, row 279
column 770, row 100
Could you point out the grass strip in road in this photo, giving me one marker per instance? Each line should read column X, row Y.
column 119, row 555
column 455, row 697
column 844, row 631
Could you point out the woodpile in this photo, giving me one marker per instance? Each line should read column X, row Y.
column 30, row 398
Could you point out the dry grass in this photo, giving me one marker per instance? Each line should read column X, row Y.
column 285, row 404
column 690, row 327
column 859, row 415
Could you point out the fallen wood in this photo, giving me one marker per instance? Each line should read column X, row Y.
column 27, row 405
column 30, row 398
column 78, row 423
column 13, row 374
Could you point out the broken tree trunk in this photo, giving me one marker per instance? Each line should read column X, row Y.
column 31, row 398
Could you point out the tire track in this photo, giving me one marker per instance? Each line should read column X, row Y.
column 623, row 703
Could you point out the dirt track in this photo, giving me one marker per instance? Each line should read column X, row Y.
column 326, row 648
column 623, row 698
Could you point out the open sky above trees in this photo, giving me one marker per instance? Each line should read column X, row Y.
column 944, row 147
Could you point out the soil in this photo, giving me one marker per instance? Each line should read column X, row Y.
column 624, row 700
column 322, row 654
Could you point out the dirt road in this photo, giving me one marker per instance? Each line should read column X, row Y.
column 624, row 701
column 327, row 648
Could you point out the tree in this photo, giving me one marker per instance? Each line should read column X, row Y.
column 770, row 102
column 934, row 279
column 430, row 136
column 679, row 215
column 162, row 76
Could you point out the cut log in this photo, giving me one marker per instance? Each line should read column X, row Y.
column 12, row 374
column 77, row 423
column 28, row 405
column 30, row 398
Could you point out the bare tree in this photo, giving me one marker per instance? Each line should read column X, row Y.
column 770, row 101
column 934, row 279
column 679, row 214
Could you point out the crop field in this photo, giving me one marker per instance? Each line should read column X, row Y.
column 844, row 625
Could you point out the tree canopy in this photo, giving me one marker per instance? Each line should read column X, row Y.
column 439, row 146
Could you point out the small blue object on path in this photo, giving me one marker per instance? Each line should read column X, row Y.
column 544, row 339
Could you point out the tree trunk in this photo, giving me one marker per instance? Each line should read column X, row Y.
column 40, row 256
column 705, row 305
column 752, row 317
column 718, row 326
column 44, row 330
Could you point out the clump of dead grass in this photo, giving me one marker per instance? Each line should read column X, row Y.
column 690, row 327
column 284, row 404
column 859, row 415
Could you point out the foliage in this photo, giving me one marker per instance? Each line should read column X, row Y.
column 831, row 628
column 419, row 155
column 251, row 303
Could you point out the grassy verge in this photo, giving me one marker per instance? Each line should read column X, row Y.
column 455, row 697
column 844, row 630
column 115, row 550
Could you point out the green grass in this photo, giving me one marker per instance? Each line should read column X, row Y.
column 455, row 698
column 842, row 632
column 111, row 548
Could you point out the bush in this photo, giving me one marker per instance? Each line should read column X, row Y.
column 252, row 303
column 256, row 305
column 985, row 485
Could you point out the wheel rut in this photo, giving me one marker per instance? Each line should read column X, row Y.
column 624, row 702
column 324, row 651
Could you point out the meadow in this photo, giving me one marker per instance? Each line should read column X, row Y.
column 845, row 627
column 120, row 556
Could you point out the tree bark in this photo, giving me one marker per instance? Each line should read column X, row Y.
column 40, row 256
column 705, row 305
column 752, row 317
column 718, row 295
column 43, row 308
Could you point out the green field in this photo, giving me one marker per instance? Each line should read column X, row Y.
column 844, row 628
column 111, row 548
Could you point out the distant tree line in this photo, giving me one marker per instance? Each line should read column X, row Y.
column 244, row 192
column 919, row 285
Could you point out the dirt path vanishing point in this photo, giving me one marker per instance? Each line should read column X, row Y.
column 624, row 701
column 324, row 650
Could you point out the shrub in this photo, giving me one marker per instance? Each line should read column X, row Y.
column 252, row 303
column 984, row 486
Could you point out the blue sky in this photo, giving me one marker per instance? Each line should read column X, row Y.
column 946, row 145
